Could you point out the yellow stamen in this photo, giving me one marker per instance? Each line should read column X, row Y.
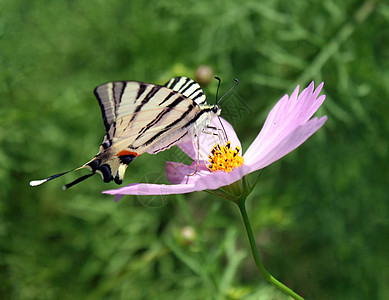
column 224, row 158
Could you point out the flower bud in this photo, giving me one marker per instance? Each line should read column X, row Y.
column 204, row 74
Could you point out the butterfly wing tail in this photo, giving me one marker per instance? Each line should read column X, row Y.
column 92, row 165
column 78, row 180
column 108, row 166
column 41, row 181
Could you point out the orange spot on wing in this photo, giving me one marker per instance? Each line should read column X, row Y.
column 126, row 152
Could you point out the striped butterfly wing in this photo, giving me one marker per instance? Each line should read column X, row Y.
column 188, row 88
column 141, row 117
column 117, row 99
column 146, row 118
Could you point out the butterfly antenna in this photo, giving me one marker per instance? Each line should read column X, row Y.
column 218, row 101
column 218, row 87
column 226, row 93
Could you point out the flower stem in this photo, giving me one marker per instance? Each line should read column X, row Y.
column 257, row 259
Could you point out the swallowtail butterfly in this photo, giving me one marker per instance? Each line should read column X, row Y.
column 142, row 117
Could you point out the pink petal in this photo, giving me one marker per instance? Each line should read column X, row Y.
column 206, row 180
column 283, row 119
column 179, row 173
column 288, row 144
column 189, row 149
column 152, row 189
column 229, row 131
column 202, row 180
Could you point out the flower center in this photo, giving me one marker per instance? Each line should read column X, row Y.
column 224, row 158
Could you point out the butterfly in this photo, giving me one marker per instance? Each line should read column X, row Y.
column 142, row 117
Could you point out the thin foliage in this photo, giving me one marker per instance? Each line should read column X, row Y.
column 320, row 214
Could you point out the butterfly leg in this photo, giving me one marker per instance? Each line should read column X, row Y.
column 196, row 143
column 216, row 132
column 222, row 129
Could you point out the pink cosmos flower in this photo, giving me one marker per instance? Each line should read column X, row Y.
column 288, row 125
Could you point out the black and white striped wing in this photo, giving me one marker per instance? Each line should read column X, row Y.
column 140, row 117
column 188, row 88
column 165, row 118
column 117, row 99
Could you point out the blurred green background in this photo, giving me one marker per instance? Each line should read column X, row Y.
column 320, row 214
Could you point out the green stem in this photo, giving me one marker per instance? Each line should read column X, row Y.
column 257, row 259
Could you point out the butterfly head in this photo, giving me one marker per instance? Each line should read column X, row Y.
column 216, row 110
